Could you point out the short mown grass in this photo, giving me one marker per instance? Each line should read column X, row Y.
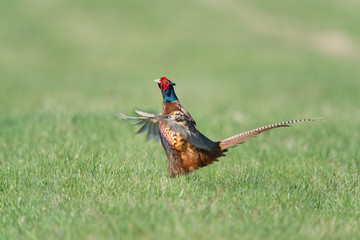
column 69, row 169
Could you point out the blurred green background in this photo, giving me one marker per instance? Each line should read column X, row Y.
column 67, row 67
column 91, row 55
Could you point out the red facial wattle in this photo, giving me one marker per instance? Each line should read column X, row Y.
column 164, row 83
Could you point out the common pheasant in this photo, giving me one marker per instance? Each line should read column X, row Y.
column 186, row 148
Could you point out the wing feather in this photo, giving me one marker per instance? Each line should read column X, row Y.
column 149, row 123
column 181, row 123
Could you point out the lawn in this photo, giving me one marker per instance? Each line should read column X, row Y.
column 69, row 169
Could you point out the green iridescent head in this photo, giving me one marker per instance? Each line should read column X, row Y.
column 167, row 89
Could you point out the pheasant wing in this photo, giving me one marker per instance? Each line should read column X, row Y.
column 149, row 123
column 179, row 122
column 185, row 127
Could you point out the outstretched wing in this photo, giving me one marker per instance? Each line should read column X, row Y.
column 148, row 121
column 177, row 122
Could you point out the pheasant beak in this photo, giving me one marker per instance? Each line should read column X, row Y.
column 158, row 82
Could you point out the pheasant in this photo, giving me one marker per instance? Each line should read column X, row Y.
column 186, row 148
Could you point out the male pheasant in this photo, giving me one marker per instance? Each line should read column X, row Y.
column 186, row 148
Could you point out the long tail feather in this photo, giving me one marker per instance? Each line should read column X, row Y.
column 239, row 138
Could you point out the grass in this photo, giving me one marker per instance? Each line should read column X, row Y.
column 69, row 169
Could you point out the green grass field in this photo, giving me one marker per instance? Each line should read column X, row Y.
column 69, row 169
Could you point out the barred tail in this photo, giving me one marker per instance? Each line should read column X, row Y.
column 237, row 139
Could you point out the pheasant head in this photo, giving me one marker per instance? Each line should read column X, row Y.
column 167, row 89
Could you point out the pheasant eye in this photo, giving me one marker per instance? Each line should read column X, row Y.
column 164, row 86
